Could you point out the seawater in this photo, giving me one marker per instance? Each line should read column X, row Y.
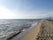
column 8, row 27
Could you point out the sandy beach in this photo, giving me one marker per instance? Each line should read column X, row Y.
column 29, row 34
column 32, row 35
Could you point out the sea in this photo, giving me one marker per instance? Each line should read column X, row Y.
column 9, row 27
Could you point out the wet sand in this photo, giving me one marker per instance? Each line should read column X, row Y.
column 29, row 32
column 32, row 35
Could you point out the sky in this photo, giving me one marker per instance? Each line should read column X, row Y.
column 26, row 9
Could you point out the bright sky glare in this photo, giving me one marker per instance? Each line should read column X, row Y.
column 25, row 9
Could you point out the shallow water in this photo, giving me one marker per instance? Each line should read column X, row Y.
column 12, row 26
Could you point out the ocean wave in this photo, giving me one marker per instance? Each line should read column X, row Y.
column 7, row 31
column 11, row 28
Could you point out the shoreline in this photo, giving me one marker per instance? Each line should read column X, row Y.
column 22, row 34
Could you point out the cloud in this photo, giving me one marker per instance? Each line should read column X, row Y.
column 34, row 16
column 6, row 13
column 24, row 13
